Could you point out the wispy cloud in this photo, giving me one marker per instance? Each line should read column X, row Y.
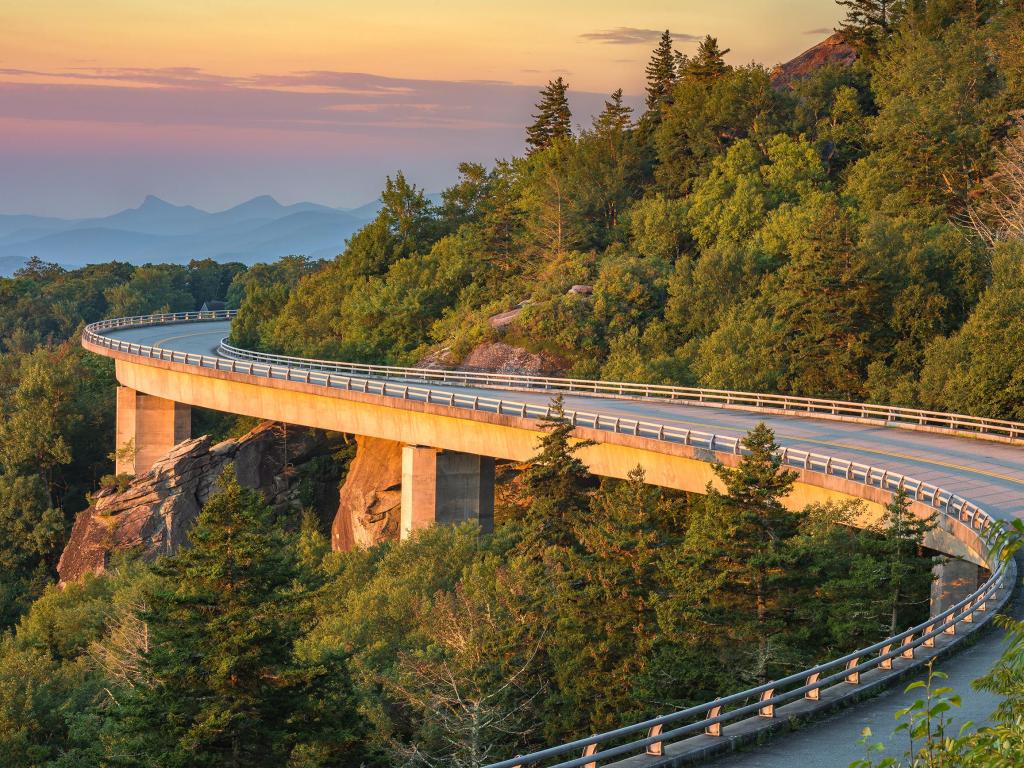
column 327, row 101
column 819, row 31
column 633, row 36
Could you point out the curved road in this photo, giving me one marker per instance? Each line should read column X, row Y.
column 990, row 474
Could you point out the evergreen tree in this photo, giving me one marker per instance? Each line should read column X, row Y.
column 553, row 120
column 868, row 22
column 662, row 73
column 615, row 577
column 709, row 63
column 616, row 117
column 557, row 483
column 740, row 556
column 909, row 572
column 228, row 689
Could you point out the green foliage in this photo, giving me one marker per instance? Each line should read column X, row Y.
column 222, row 684
column 661, row 74
column 553, row 120
column 707, row 115
column 556, row 484
column 867, row 22
column 977, row 368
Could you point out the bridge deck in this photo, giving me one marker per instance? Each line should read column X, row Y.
column 990, row 474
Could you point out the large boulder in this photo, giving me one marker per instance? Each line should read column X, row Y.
column 369, row 504
column 155, row 512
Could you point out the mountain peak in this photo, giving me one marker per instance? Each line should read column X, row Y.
column 152, row 202
column 832, row 50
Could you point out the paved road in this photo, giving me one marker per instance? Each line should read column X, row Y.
column 987, row 473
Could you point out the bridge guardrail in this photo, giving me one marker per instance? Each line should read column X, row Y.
column 885, row 414
column 845, row 670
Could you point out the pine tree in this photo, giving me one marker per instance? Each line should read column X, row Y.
column 616, row 117
column 709, row 63
column 229, row 690
column 557, row 483
column 909, row 572
column 616, row 578
column 741, row 551
column 867, row 22
column 553, row 120
column 662, row 73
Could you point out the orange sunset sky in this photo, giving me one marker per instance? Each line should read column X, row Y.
column 210, row 103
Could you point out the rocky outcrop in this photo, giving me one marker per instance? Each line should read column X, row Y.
column 154, row 513
column 498, row 357
column 832, row 50
column 369, row 505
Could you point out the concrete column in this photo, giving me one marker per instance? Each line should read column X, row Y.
column 445, row 487
column 954, row 580
column 152, row 425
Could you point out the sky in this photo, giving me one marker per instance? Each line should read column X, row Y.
column 211, row 102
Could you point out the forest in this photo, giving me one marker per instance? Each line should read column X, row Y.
column 857, row 233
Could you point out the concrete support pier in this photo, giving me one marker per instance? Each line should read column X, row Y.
column 955, row 579
column 147, row 428
column 445, row 487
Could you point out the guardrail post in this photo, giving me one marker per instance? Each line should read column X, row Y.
column 767, row 710
column 885, row 663
column 854, row 677
column 655, row 748
column 815, row 693
column 929, row 641
column 908, row 649
column 589, row 751
column 714, row 729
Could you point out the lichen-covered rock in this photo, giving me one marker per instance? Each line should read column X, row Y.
column 369, row 505
column 155, row 512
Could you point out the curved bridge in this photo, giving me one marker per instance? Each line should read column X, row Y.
column 966, row 470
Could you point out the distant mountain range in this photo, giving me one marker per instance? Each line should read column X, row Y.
column 259, row 230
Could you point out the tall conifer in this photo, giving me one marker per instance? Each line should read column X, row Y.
column 228, row 689
column 557, row 482
column 662, row 72
column 867, row 22
column 616, row 116
column 709, row 63
column 553, row 120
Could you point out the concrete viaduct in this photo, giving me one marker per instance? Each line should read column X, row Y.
column 968, row 471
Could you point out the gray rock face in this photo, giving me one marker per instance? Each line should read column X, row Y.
column 156, row 511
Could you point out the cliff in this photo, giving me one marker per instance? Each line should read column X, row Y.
column 154, row 513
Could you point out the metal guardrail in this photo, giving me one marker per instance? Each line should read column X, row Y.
column 954, row 510
column 884, row 414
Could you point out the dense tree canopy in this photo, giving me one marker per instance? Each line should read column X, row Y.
column 847, row 235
